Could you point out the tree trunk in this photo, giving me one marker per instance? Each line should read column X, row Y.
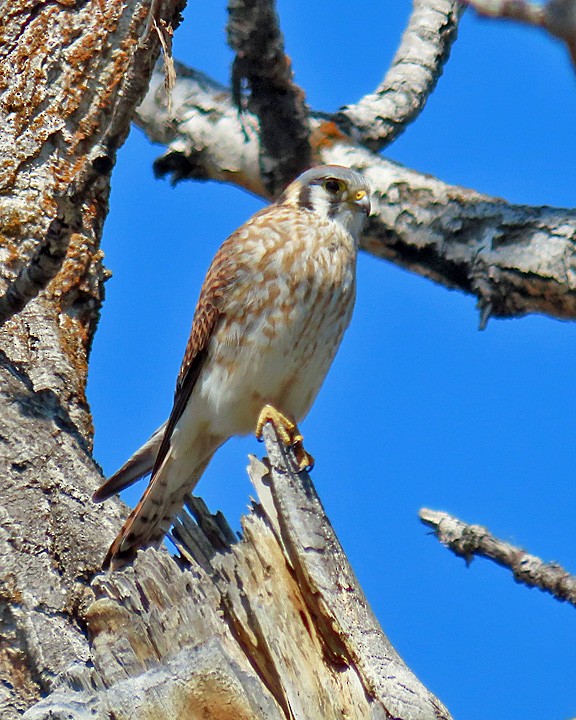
column 70, row 78
column 262, row 629
column 275, row 625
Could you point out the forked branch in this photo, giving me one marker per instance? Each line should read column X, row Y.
column 515, row 259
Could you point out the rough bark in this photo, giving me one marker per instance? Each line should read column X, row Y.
column 515, row 259
column 273, row 626
column 70, row 77
column 469, row 541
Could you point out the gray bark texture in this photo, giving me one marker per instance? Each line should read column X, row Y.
column 469, row 541
column 515, row 259
column 275, row 625
column 70, row 78
column 272, row 626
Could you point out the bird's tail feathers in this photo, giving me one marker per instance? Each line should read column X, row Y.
column 151, row 518
column 138, row 465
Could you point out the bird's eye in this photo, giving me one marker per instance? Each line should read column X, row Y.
column 333, row 186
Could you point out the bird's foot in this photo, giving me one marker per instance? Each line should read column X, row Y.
column 288, row 433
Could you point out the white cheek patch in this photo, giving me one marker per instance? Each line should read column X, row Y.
column 319, row 200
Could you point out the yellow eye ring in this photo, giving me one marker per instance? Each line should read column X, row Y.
column 334, row 186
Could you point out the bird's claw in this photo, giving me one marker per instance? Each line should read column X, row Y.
column 288, row 433
column 304, row 459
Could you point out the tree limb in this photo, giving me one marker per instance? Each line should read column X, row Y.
column 515, row 259
column 380, row 117
column 278, row 103
column 466, row 541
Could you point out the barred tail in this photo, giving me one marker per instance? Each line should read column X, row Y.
column 138, row 465
column 151, row 518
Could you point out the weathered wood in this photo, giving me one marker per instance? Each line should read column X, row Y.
column 469, row 541
column 70, row 77
column 160, row 649
column 272, row 626
column 515, row 259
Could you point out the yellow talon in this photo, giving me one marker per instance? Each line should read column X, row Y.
column 288, row 432
column 284, row 427
column 304, row 459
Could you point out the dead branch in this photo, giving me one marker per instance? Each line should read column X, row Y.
column 380, row 117
column 351, row 632
column 273, row 97
column 467, row 541
column 271, row 627
column 515, row 259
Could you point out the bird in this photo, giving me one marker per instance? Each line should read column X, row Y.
column 270, row 317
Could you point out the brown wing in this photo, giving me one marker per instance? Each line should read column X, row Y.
column 209, row 311
column 211, row 308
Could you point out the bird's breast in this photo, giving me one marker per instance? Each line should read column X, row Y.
column 279, row 335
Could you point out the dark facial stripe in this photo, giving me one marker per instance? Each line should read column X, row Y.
column 333, row 208
column 304, row 199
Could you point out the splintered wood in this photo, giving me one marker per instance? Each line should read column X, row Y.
column 273, row 626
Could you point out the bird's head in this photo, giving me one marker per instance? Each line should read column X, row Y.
column 335, row 192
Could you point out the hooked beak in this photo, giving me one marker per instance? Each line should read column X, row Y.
column 361, row 200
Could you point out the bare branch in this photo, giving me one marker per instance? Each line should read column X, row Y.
column 515, row 259
column 469, row 540
column 206, row 137
column 378, row 118
column 261, row 63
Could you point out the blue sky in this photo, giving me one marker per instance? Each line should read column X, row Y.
column 420, row 408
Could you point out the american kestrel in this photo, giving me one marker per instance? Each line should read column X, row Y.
column 271, row 314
